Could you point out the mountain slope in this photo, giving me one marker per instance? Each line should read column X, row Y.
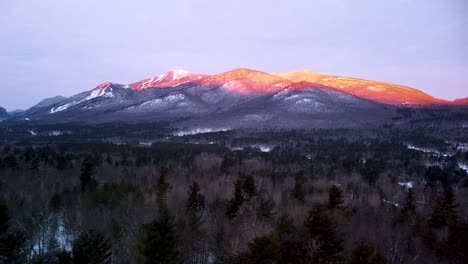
column 247, row 81
column 237, row 98
column 372, row 90
column 169, row 79
column 45, row 103
column 3, row 114
column 297, row 106
column 461, row 101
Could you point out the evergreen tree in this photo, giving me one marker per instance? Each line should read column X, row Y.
column 196, row 200
column 62, row 162
column 371, row 170
column 249, row 187
column 444, row 211
column 265, row 207
column 322, row 236
column 11, row 243
column 87, row 171
column 162, row 189
column 10, row 161
column 409, row 207
column 4, row 218
column 298, row 192
column 234, row 204
column 366, row 254
column 264, row 249
column 93, row 248
column 335, row 198
column 34, row 164
column 291, row 240
column 158, row 243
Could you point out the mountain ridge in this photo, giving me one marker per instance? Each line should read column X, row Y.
column 238, row 98
column 244, row 80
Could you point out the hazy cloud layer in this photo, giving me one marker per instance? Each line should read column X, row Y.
column 52, row 47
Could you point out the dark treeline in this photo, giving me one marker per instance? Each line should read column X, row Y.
column 284, row 197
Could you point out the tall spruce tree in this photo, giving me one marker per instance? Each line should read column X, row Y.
column 88, row 169
column 322, row 236
column 409, row 207
column 249, row 187
column 335, row 198
column 158, row 242
column 298, row 192
column 92, row 247
column 265, row 249
column 365, row 253
column 444, row 209
column 196, row 200
column 234, row 204
column 11, row 243
column 162, row 189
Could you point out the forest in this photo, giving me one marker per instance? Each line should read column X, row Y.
column 324, row 196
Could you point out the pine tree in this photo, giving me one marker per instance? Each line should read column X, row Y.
column 234, row 204
column 366, row 254
column 11, row 162
column 62, row 162
column 196, row 200
column 298, row 192
column 11, row 243
column 158, row 243
column 93, row 248
column 265, row 207
column 264, row 249
column 371, row 170
column 409, row 207
column 35, row 164
column 4, row 218
column 323, row 237
column 444, row 211
column 87, row 171
column 335, row 198
column 249, row 187
column 162, row 189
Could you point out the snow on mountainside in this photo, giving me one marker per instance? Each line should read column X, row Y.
column 110, row 95
column 241, row 97
column 46, row 103
column 372, row 90
column 169, row 79
column 247, row 81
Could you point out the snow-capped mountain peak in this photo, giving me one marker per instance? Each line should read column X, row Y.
column 168, row 79
column 179, row 74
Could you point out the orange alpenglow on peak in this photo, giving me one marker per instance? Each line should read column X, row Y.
column 168, row 79
column 102, row 85
column 461, row 101
column 371, row 90
column 247, row 81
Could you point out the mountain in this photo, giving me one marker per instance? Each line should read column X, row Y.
column 169, row 79
column 3, row 114
column 247, row 81
column 45, row 104
column 372, row 90
column 15, row 113
column 237, row 98
column 462, row 101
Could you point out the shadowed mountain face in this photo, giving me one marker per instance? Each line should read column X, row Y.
column 371, row 90
column 237, row 98
column 3, row 113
